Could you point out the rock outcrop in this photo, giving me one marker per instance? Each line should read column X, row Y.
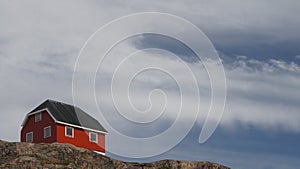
column 30, row 155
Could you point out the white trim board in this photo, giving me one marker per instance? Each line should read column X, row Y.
column 99, row 153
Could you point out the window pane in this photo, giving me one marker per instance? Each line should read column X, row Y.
column 29, row 137
column 47, row 132
column 93, row 137
column 69, row 131
column 38, row 117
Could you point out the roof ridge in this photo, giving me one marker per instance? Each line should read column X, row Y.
column 60, row 102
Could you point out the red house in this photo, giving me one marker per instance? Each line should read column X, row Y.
column 56, row 122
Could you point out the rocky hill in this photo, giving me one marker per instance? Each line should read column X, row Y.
column 29, row 155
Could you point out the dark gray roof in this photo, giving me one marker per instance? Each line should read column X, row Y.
column 70, row 114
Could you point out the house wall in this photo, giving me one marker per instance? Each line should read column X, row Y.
column 38, row 128
column 80, row 139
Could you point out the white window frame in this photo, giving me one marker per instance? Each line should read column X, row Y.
column 27, row 137
column 90, row 137
column 37, row 115
column 66, row 134
column 49, row 132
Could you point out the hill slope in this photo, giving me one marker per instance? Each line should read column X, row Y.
column 29, row 155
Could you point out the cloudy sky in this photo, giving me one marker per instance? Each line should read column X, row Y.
column 257, row 41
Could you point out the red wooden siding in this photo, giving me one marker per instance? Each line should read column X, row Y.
column 80, row 139
column 38, row 129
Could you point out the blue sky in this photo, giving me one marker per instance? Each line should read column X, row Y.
column 258, row 42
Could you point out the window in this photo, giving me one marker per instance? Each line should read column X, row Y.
column 38, row 117
column 47, row 131
column 93, row 137
column 69, row 131
column 29, row 137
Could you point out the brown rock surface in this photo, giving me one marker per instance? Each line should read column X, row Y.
column 29, row 155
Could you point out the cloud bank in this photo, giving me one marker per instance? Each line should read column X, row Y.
column 258, row 43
